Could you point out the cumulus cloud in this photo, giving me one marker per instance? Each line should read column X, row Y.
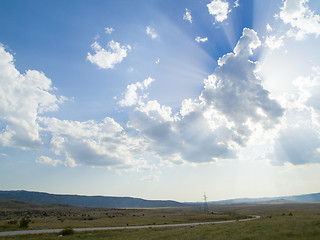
column 48, row 160
column 188, row 139
column 93, row 143
column 109, row 30
column 309, row 92
column 23, row 97
column 217, row 124
column 211, row 127
column 219, row 9
column 151, row 32
column 106, row 59
column 302, row 19
column 187, row 16
column 235, row 90
column 273, row 42
column 24, row 100
column 199, row 39
column 298, row 142
column 131, row 96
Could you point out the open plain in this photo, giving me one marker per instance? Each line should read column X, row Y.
column 278, row 221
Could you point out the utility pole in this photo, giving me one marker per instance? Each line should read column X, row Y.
column 205, row 204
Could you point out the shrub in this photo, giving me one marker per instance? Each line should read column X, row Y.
column 24, row 222
column 13, row 222
column 67, row 231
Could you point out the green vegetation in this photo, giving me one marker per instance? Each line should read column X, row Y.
column 67, row 231
column 24, row 222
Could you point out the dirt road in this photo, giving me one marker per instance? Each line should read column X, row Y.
column 24, row 232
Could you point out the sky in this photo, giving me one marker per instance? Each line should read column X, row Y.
column 160, row 99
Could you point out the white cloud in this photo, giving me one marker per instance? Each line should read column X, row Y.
column 247, row 43
column 199, row 39
column 187, row 16
column 154, row 110
column 93, row 143
column 236, row 4
column 273, row 42
column 48, row 160
column 235, row 90
column 219, row 9
column 151, row 32
column 214, row 126
column 131, row 96
column 23, row 97
column 269, row 28
column 302, row 19
column 108, row 58
column 109, row 30
column 157, row 61
column 217, row 124
column 298, row 140
column 178, row 140
column 309, row 92
column 188, row 106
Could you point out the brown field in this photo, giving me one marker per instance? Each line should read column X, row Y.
column 55, row 216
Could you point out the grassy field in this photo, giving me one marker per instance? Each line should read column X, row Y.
column 279, row 221
column 53, row 216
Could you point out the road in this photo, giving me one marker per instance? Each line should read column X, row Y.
column 24, row 232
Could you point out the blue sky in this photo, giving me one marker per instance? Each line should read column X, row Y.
column 160, row 99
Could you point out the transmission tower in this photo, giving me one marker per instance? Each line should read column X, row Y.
column 205, row 204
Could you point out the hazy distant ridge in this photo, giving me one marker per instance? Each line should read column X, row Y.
column 129, row 202
column 86, row 201
column 306, row 198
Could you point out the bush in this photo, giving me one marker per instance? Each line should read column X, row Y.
column 13, row 222
column 24, row 223
column 67, row 231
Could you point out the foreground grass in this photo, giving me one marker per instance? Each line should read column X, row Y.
column 303, row 224
column 83, row 217
column 281, row 221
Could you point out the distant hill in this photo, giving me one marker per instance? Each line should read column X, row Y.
column 129, row 202
column 306, row 198
column 16, row 205
column 86, row 201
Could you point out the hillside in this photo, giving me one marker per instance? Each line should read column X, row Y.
column 13, row 205
column 86, row 201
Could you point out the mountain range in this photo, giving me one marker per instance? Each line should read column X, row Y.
column 305, row 198
column 130, row 202
column 86, row 201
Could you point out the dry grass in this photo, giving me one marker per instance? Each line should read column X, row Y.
column 62, row 217
column 278, row 223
